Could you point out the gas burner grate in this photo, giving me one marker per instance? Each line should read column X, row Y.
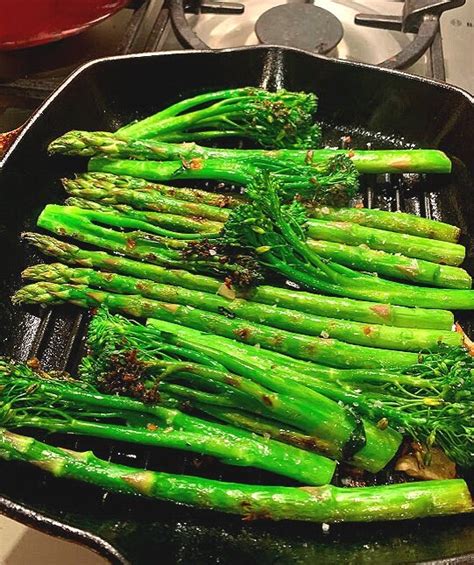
column 420, row 17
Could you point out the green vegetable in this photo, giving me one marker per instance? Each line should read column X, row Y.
column 387, row 337
column 277, row 235
column 390, row 221
column 381, row 219
column 318, row 504
column 430, row 400
column 410, row 245
column 310, row 303
column 321, row 350
column 108, row 183
column 360, row 258
column 366, row 259
column 197, row 228
column 28, row 399
column 272, row 119
column 95, row 144
column 390, row 265
column 335, row 431
column 144, row 199
column 95, row 227
column 334, row 181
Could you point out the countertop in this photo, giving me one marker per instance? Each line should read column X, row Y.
column 22, row 545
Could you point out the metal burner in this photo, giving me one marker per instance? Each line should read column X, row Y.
column 420, row 17
column 300, row 25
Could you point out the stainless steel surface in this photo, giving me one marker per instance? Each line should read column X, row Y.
column 358, row 44
column 457, row 31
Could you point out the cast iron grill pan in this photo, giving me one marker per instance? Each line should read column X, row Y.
column 378, row 109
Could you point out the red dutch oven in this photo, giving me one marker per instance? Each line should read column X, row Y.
column 24, row 23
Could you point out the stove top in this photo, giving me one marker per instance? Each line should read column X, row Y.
column 357, row 44
column 327, row 26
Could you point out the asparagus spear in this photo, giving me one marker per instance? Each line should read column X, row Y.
column 351, row 332
column 147, row 199
column 326, row 503
column 109, row 182
column 393, row 266
column 326, row 351
column 390, row 221
column 410, row 245
column 93, row 144
column 367, row 312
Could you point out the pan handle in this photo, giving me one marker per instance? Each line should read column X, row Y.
column 7, row 138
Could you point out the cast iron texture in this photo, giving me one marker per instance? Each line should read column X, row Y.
column 381, row 107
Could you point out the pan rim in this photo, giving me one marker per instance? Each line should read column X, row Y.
column 215, row 52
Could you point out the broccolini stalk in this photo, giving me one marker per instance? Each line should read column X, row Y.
column 387, row 337
column 334, row 181
column 326, row 351
column 86, row 226
column 317, row 504
column 440, row 413
column 261, row 426
column 254, row 390
column 302, row 372
column 272, row 119
column 276, row 233
column 30, row 402
column 410, row 245
column 197, row 228
column 430, row 400
column 95, row 144
column 390, row 221
column 397, row 266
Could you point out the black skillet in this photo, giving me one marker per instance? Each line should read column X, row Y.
column 381, row 107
